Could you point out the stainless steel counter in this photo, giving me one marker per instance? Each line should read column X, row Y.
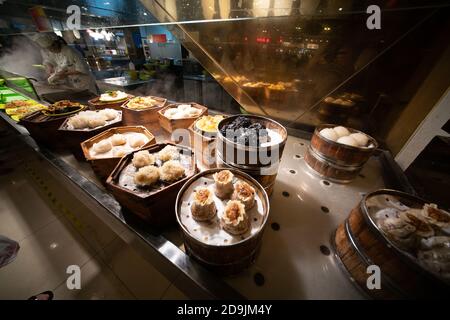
column 296, row 259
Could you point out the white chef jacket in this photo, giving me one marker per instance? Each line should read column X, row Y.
column 70, row 59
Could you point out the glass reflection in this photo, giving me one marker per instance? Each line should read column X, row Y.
column 309, row 62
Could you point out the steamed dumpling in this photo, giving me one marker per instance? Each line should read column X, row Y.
column 168, row 153
column 96, row 121
column 119, row 152
column 88, row 113
column 80, row 121
column 109, row 114
column 137, row 142
column 184, row 107
column 179, row 115
column 193, row 112
column 171, row 171
column 170, row 113
column 341, row 131
column 360, row 138
column 143, row 158
column 118, row 139
column 182, row 111
column 348, row 141
column 102, row 146
column 146, row 176
column 329, row 134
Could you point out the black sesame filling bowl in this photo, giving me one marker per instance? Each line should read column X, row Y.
column 250, row 141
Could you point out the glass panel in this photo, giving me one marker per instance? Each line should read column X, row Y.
column 301, row 62
column 307, row 62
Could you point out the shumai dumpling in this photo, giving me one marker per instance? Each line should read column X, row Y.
column 203, row 207
column 142, row 158
column 146, row 176
column 102, row 146
column 118, row 139
column 234, row 219
column 223, row 184
column 244, row 193
column 171, row 170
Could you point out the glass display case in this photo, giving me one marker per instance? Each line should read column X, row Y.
column 298, row 67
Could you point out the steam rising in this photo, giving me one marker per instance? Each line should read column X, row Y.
column 19, row 56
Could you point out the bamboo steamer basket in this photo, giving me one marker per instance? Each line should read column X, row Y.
column 341, row 154
column 249, row 159
column 358, row 243
column 144, row 117
column 104, row 166
column 337, row 162
column 250, row 156
column 171, row 125
column 117, row 105
column 74, row 137
column 156, row 207
column 329, row 170
column 204, row 145
column 224, row 259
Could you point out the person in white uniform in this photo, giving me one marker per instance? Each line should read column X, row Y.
column 65, row 66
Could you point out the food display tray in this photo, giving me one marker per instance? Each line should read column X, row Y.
column 155, row 205
column 145, row 117
column 171, row 125
column 104, row 166
column 74, row 137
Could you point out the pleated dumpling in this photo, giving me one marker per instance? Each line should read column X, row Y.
column 96, row 121
column 80, row 121
column 118, row 139
column 102, row 146
column 137, row 141
column 109, row 114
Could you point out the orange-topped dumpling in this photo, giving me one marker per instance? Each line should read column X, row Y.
column 234, row 219
column 244, row 193
column 203, row 207
column 223, row 184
